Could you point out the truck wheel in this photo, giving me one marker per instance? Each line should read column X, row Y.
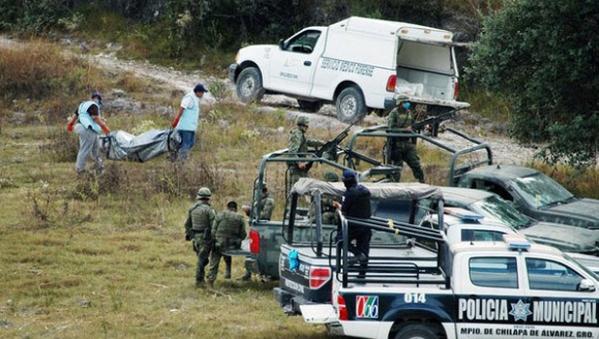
column 249, row 85
column 350, row 105
column 309, row 106
column 419, row 331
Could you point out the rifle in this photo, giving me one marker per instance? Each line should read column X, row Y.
column 331, row 145
column 433, row 120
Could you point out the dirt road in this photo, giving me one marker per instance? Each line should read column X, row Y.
column 505, row 150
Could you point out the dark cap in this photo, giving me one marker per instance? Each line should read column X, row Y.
column 348, row 175
column 200, row 88
column 97, row 94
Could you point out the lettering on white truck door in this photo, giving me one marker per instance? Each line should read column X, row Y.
column 346, row 67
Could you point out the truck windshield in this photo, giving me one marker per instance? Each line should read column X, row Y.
column 541, row 191
column 495, row 208
column 582, row 267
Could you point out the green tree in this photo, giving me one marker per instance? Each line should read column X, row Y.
column 543, row 56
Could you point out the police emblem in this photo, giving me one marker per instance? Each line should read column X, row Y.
column 520, row 310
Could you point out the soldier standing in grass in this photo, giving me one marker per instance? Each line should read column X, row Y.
column 88, row 125
column 186, row 121
column 228, row 232
column 404, row 149
column 299, row 144
column 198, row 228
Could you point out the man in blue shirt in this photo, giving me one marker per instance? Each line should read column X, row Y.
column 89, row 126
column 186, row 121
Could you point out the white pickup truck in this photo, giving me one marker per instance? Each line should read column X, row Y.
column 504, row 289
column 358, row 64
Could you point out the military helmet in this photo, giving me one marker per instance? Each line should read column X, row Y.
column 331, row 177
column 303, row 121
column 204, row 192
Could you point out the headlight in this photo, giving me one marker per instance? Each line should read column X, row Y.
column 237, row 57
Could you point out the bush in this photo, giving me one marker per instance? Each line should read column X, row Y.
column 62, row 146
column 36, row 70
column 541, row 55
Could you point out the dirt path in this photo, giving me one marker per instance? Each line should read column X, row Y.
column 505, row 150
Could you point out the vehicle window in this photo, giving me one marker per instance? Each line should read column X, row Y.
column 498, row 272
column 541, row 191
column 550, row 275
column 584, row 264
column 303, row 43
column 424, row 56
column 481, row 235
column 495, row 208
column 492, row 187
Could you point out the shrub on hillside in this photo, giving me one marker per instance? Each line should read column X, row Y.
column 37, row 70
column 541, row 55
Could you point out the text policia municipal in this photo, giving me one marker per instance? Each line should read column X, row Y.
column 564, row 312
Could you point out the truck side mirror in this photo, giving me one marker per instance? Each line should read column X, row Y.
column 282, row 44
column 586, row 285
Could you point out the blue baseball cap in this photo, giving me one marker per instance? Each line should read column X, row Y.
column 200, row 88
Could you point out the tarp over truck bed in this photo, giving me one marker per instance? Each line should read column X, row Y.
column 121, row 145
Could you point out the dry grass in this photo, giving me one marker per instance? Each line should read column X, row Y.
column 106, row 256
column 582, row 183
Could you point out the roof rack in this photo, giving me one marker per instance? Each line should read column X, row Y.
column 391, row 269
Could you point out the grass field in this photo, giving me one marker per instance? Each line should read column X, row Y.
column 106, row 257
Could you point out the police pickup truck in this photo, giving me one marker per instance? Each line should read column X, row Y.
column 306, row 259
column 507, row 289
column 357, row 64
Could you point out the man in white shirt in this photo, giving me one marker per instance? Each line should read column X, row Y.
column 186, row 121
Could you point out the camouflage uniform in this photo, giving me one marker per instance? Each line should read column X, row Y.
column 197, row 228
column 403, row 149
column 298, row 143
column 329, row 213
column 266, row 205
column 228, row 231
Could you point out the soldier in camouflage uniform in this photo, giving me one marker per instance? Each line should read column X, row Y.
column 328, row 207
column 403, row 149
column 198, row 227
column 299, row 144
column 266, row 205
column 228, row 231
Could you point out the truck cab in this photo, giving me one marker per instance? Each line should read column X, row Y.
column 501, row 289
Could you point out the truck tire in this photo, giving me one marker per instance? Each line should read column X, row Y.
column 419, row 331
column 350, row 105
column 249, row 85
column 309, row 106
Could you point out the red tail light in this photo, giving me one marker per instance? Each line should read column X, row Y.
column 254, row 242
column 319, row 276
column 341, row 308
column 456, row 89
column 391, row 82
